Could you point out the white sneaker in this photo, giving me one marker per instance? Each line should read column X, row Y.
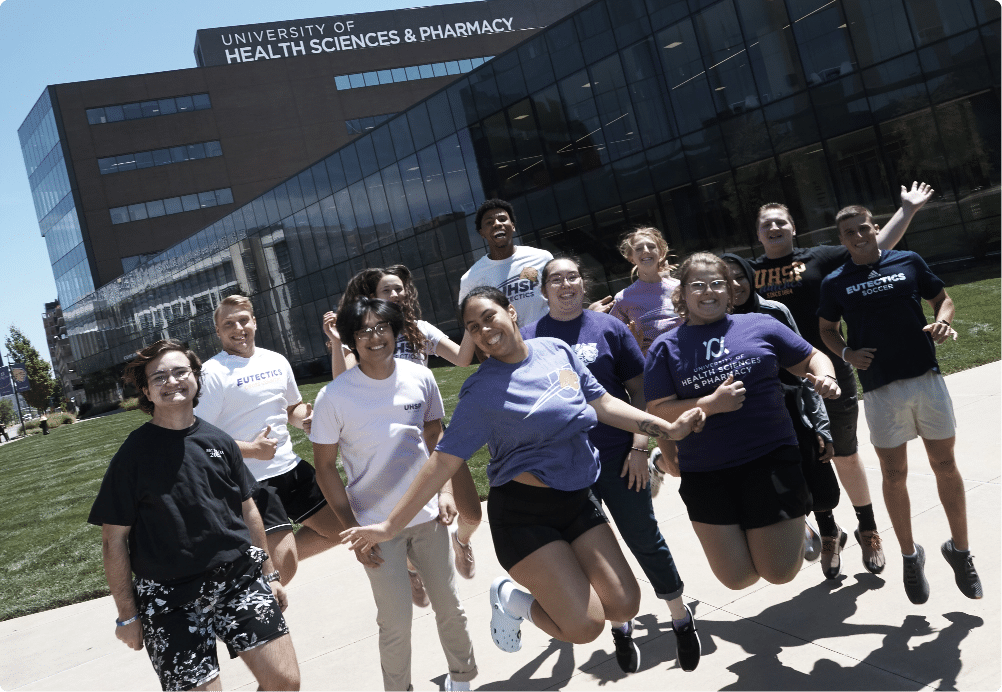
column 451, row 684
column 657, row 475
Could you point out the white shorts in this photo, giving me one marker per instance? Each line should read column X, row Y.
column 906, row 409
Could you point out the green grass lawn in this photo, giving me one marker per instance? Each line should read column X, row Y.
column 51, row 557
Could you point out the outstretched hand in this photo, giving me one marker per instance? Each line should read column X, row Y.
column 364, row 539
column 912, row 200
column 604, row 305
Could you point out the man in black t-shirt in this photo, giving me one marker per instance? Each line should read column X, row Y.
column 176, row 508
column 880, row 294
column 793, row 277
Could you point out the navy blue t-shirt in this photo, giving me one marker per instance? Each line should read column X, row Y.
column 882, row 306
column 610, row 351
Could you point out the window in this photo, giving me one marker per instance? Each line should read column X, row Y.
column 405, row 74
column 172, row 205
column 148, row 109
column 159, row 157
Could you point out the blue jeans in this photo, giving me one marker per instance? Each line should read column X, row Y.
column 633, row 513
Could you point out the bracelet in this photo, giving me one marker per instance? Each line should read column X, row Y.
column 944, row 322
column 123, row 623
column 831, row 376
column 272, row 576
column 638, row 449
column 843, row 353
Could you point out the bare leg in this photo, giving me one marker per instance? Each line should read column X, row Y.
column 676, row 607
column 467, row 503
column 318, row 533
column 726, row 549
column 950, row 485
column 853, row 477
column 777, row 551
column 274, row 664
column 894, row 469
column 214, row 684
column 608, row 572
column 282, row 549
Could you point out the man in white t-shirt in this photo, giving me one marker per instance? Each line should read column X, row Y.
column 251, row 394
column 514, row 270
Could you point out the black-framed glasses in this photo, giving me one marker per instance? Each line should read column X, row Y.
column 369, row 332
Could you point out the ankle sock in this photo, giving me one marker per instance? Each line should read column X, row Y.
column 864, row 515
column 913, row 556
column 683, row 622
column 515, row 601
column 826, row 524
column 624, row 627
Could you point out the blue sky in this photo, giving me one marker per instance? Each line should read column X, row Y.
column 46, row 42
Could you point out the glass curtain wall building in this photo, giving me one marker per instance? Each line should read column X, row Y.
column 684, row 115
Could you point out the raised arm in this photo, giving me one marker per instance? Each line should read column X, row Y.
column 461, row 355
column 339, row 361
column 911, row 201
column 118, row 572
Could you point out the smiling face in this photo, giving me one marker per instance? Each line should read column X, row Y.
column 775, row 232
column 391, row 288
column 235, row 327
column 374, row 348
column 494, row 329
column 497, row 228
column 859, row 236
column 170, row 384
column 740, row 284
column 706, row 303
column 564, row 289
column 644, row 252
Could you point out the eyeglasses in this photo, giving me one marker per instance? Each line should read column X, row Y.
column 557, row 280
column 369, row 332
column 160, row 377
column 717, row 286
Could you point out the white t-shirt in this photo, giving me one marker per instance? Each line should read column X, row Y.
column 518, row 277
column 379, row 425
column 242, row 396
column 432, row 336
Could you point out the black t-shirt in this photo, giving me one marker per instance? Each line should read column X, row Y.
column 795, row 281
column 181, row 492
column 882, row 306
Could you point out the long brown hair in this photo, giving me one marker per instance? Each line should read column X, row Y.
column 364, row 284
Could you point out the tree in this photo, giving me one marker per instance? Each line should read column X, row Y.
column 20, row 350
column 6, row 412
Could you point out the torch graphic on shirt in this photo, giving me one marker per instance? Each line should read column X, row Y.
column 563, row 383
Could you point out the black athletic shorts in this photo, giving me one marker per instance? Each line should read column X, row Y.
column 524, row 518
column 289, row 498
column 759, row 493
column 843, row 413
column 181, row 623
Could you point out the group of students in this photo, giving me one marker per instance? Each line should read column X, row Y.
column 568, row 400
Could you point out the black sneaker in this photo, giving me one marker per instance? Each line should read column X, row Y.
column 627, row 651
column 963, row 570
column 916, row 585
column 687, row 644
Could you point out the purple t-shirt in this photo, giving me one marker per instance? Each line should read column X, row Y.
column 650, row 306
column 693, row 360
column 533, row 416
column 607, row 347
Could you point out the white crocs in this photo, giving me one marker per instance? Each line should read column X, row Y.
column 505, row 628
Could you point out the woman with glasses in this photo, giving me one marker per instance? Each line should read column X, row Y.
column 533, row 403
column 384, row 416
column 742, row 482
column 416, row 341
column 611, row 353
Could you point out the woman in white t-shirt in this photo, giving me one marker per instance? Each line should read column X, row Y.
column 384, row 416
column 415, row 342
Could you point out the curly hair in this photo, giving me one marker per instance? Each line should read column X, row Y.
column 135, row 370
column 664, row 252
column 695, row 261
column 364, row 285
column 352, row 318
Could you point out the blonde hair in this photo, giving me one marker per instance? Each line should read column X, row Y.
column 664, row 252
column 700, row 260
column 236, row 301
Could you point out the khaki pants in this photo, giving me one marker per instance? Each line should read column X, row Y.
column 429, row 547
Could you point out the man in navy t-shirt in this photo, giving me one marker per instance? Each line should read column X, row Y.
column 880, row 293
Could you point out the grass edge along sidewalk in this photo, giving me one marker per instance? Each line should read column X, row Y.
column 51, row 557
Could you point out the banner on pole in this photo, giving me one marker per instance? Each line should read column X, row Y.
column 20, row 376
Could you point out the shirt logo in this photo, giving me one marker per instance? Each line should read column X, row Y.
column 521, row 286
column 563, row 383
column 412, row 407
column 720, row 350
column 586, row 353
column 875, row 285
column 241, row 381
column 214, row 453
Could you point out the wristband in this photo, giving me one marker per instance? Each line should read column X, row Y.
column 832, row 377
column 944, row 322
column 123, row 623
column 271, row 576
column 843, row 353
column 638, row 449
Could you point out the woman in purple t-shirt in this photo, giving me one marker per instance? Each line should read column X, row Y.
column 741, row 478
column 533, row 403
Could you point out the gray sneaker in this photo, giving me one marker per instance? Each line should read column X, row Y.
column 657, row 475
column 916, row 585
column 963, row 570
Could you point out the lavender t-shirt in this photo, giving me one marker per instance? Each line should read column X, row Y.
column 532, row 415
column 650, row 306
column 693, row 360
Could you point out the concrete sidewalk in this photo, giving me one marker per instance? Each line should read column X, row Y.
column 859, row 632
